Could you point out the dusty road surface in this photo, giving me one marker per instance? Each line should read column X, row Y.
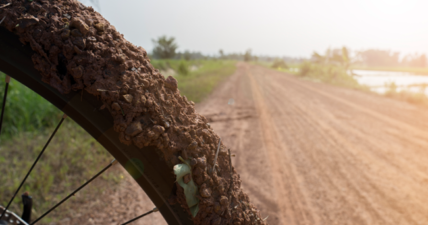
column 309, row 153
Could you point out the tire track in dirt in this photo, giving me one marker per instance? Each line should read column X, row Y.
column 293, row 198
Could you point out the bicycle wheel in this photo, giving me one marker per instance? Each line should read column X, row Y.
column 156, row 180
column 137, row 115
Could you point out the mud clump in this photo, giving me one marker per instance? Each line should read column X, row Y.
column 77, row 49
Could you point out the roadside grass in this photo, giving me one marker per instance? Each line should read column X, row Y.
column 415, row 70
column 201, row 78
column 199, row 84
column 25, row 110
column 71, row 159
column 181, row 67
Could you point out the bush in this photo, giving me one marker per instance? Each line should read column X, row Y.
column 304, row 69
column 332, row 74
column 279, row 64
column 183, row 68
column 160, row 65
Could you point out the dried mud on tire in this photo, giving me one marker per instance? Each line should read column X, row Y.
column 76, row 49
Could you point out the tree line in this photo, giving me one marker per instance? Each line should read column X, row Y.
column 372, row 57
column 166, row 48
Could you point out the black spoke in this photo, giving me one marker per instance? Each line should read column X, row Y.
column 4, row 102
column 34, row 164
column 139, row 217
column 74, row 192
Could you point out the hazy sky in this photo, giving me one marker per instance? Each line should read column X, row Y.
column 273, row 27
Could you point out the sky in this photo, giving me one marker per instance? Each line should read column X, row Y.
column 293, row 28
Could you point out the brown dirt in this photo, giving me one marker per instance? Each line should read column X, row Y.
column 310, row 153
column 77, row 49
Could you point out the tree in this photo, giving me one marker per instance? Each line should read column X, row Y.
column 221, row 53
column 247, row 55
column 279, row 64
column 164, row 47
column 187, row 56
column 334, row 56
column 346, row 60
column 376, row 57
column 317, row 58
column 414, row 60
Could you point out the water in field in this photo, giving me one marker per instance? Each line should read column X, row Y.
column 379, row 80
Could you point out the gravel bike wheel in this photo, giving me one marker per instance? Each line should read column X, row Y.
column 148, row 169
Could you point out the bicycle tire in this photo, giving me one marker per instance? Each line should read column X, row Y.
column 156, row 180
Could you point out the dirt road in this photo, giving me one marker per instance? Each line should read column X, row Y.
column 309, row 153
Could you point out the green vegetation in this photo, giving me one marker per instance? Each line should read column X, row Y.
column 25, row 110
column 279, row 64
column 72, row 158
column 164, row 47
column 200, row 83
column 197, row 78
column 330, row 68
column 247, row 56
column 181, row 67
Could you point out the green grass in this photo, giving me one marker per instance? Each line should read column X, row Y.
column 71, row 159
column 198, row 84
column 416, row 70
column 25, row 110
